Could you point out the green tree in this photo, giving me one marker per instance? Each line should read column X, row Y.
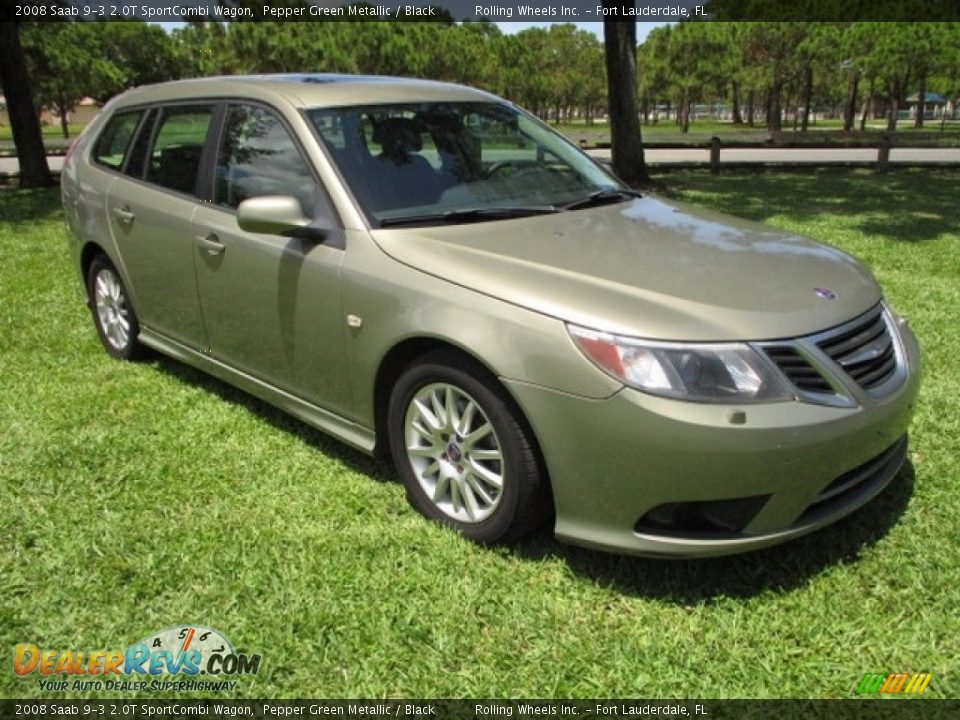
column 929, row 52
column 771, row 47
column 818, row 58
column 68, row 61
column 901, row 51
column 141, row 54
column 653, row 72
column 698, row 59
column 27, row 137
column 947, row 76
column 66, row 64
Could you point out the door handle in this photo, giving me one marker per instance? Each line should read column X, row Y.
column 211, row 244
column 124, row 214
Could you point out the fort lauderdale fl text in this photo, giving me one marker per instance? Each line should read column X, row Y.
column 507, row 11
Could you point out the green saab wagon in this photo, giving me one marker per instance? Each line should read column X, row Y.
column 424, row 270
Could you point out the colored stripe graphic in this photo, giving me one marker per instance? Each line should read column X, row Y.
column 894, row 683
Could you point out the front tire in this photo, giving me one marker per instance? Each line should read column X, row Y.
column 464, row 452
column 113, row 313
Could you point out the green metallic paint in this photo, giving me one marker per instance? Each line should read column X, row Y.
column 649, row 269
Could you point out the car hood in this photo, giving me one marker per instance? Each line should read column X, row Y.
column 648, row 268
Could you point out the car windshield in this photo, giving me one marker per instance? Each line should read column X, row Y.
column 449, row 162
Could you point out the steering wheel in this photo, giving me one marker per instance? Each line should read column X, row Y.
column 516, row 167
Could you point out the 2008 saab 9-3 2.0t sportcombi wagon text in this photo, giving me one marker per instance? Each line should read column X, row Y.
column 426, row 270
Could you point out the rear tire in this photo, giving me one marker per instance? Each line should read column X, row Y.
column 464, row 452
column 113, row 313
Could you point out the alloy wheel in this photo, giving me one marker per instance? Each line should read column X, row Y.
column 454, row 451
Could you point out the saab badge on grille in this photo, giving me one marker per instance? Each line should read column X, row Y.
column 825, row 293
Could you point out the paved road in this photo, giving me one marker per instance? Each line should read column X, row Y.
column 698, row 156
column 815, row 156
column 10, row 165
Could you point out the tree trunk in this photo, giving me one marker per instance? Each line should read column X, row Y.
column 685, row 111
column 867, row 104
column 737, row 118
column 850, row 108
column 921, row 102
column 27, row 137
column 894, row 108
column 807, row 98
column 750, row 100
column 63, row 111
column 620, row 43
column 774, row 110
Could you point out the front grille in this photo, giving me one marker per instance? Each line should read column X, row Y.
column 820, row 366
column 865, row 351
column 797, row 369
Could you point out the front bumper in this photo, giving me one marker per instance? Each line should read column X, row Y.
column 613, row 461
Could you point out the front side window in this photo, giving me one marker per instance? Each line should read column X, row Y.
column 444, row 160
column 111, row 148
column 258, row 157
column 175, row 156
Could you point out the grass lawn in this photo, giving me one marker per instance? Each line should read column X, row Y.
column 134, row 497
column 52, row 137
column 49, row 130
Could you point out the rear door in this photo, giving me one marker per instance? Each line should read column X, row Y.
column 151, row 219
column 271, row 303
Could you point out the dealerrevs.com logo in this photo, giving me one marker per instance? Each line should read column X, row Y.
column 180, row 654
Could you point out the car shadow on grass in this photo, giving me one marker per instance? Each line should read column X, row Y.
column 353, row 459
column 777, row 569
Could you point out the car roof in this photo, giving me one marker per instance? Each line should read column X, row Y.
column 306, row 90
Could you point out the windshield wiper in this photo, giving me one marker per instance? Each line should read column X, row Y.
column 464, row 215
column 603, row 197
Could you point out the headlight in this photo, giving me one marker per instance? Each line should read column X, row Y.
column 701, row 372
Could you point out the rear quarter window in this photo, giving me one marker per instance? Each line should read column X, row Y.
column 114, row 141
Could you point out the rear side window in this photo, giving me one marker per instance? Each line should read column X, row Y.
column 258, row 157
column 175, row 156
column 111, row 148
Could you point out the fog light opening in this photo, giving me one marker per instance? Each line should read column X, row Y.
column 713, row 519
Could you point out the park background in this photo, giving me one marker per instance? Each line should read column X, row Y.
column 693, row 79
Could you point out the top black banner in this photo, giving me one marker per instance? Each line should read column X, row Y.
column 496, row 10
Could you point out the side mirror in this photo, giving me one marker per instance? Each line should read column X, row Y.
column 272, row 214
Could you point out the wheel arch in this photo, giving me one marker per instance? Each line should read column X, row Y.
column 87, row 254
column 408, row 351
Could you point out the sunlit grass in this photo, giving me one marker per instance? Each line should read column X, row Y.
column 138, row 496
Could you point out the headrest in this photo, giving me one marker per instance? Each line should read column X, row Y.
column 398, row 135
